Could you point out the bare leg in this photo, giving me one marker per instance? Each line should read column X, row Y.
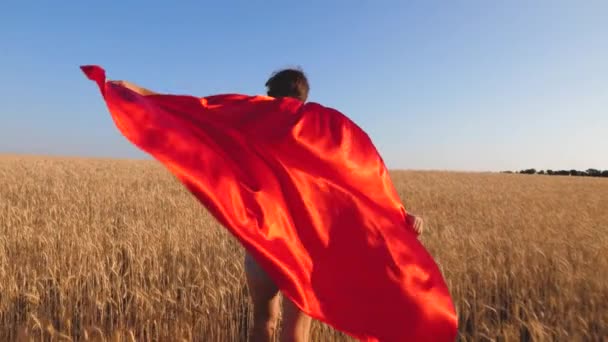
column 265, row 296
column 295, row 323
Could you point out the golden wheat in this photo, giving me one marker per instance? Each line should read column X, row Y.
column 119, row 250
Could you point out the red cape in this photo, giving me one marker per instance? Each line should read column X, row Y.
column 305, row 191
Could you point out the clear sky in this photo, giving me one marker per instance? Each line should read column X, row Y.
column 459, row 85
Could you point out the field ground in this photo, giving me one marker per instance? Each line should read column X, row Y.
column 118, row 250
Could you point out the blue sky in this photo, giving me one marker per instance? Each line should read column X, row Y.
column 458, row 85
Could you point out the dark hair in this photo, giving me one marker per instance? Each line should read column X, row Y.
column 288, row 83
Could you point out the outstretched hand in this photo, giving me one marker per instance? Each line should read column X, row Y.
column 416, row 222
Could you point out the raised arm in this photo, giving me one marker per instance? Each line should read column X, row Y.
column 134, row 87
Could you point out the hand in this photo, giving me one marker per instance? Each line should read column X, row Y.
column 416, row 222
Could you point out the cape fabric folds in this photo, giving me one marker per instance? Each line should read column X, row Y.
column 305, row 191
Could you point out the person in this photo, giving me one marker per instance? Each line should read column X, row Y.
column 263, row 291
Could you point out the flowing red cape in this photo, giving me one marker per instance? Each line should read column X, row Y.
column 305, row 191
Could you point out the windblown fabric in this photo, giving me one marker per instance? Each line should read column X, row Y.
column 305, row 191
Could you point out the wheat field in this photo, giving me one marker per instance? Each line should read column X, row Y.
column 118, row 250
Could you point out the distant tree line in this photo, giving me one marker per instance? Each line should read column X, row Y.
column 587, row 173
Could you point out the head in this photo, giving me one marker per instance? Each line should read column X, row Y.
column 288, row 83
